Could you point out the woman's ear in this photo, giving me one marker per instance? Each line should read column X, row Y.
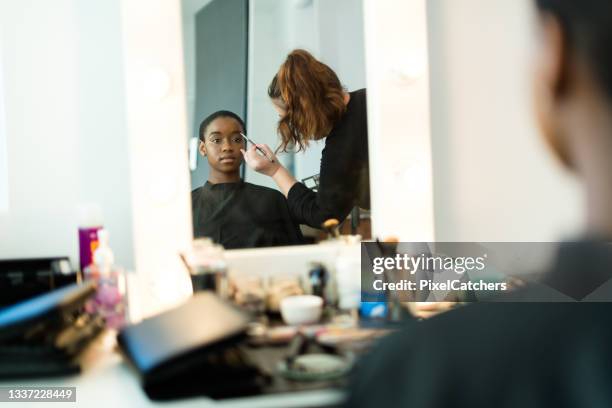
column 555, row 69
column 202, row 148
column 551, row 80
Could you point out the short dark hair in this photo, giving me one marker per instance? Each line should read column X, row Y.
column 215, row 115
column 587, row 26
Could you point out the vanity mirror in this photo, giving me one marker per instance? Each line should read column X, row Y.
column 233, row 51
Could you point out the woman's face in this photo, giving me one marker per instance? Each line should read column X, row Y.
column 222, row 144
column 280, row 107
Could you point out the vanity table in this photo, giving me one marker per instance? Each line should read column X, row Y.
column 108, row 381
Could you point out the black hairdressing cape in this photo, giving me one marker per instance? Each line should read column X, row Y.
column 243, row 215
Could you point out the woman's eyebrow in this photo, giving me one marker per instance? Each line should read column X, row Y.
column 214, row 133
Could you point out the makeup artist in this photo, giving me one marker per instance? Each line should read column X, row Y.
column 313, row 105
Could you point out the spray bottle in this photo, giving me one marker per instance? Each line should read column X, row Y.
column 110, row 299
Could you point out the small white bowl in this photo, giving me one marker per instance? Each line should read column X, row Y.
column 304, row 309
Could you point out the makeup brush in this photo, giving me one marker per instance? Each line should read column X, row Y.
column 257, row 147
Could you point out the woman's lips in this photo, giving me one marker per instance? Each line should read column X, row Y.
column 227, row 159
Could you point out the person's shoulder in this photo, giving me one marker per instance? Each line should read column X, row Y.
column 199, row 195
column 509, row 325
column 353, row 122
column 359, row 94
column 359, row 98
column 356, row 113
column 492, row 340
column 196, row 193
column 489, row 315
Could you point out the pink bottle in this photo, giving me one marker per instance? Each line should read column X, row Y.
column 110, row 299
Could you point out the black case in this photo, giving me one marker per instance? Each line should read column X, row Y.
column 22, row 279
column 43, row 336
column 191, row 350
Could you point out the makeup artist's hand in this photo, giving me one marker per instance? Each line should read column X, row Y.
column 259, row 162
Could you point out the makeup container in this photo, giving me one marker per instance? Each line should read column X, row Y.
column 110, row 300
column 90, row 222
column 207, row 267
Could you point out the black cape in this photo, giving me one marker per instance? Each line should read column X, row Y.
column 243, row 215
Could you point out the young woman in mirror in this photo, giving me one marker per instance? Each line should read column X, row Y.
column 232, row 212
column 313, row 105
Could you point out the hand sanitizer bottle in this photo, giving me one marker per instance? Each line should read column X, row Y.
column 110, row 301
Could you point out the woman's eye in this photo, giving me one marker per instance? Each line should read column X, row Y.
column 238, row 140
column 216, row 140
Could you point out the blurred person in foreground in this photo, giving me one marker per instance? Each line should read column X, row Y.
column 516, row 354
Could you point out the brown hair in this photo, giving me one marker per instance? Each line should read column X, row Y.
column 313, row 98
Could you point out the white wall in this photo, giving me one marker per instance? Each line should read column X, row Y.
column 338, row 42
column 189, row 9
column 4, row 200
column 267, row 50
column 102, row 145
column 65, row 125
column 341, row 39
column 494, row 179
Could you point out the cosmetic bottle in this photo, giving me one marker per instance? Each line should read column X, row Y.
column 207, row 267
column 110, row 299
column 90, row 222
column 348, row 279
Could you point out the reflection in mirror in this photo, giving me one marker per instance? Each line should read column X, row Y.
column 232, row 212
column 282, row 75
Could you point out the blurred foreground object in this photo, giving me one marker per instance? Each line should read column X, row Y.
column 44, row 335
column 425, row 310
